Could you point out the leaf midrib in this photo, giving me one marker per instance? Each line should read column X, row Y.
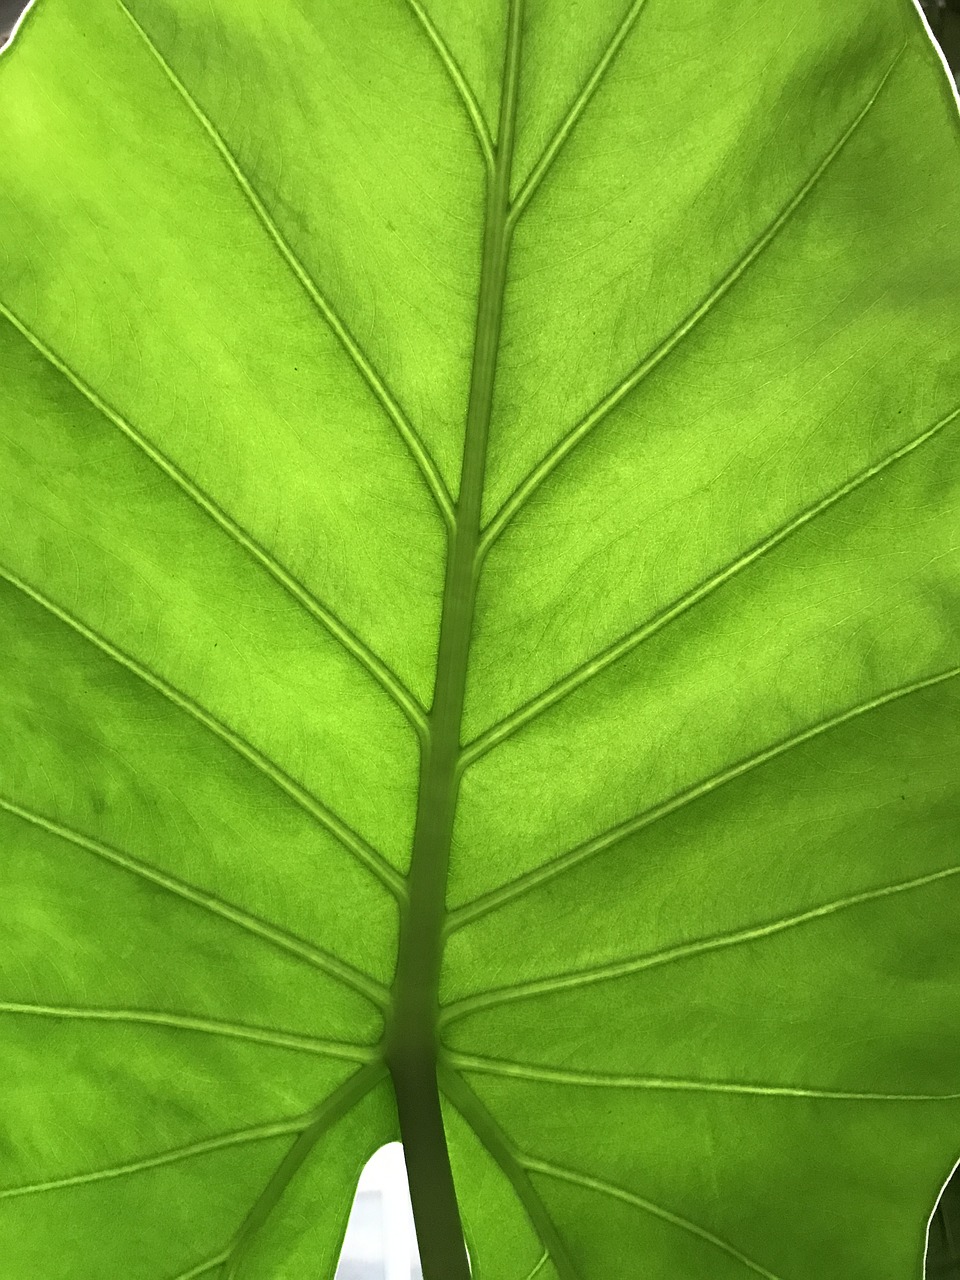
column 410, row 1042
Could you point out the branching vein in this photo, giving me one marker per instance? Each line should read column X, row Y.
column 188, row 1022
column 375, row 666
column 498, row 733
column 507, row 1157
column 331, row 1110
column 370, row 376
column 672, row 1084
column 259, row 1133
column 539, row 1265
column 540, row 169
column 556, row 456
column 624, row 968
column 335, row 968
column 373, row 861
column 618, row 1193
column 532, row 879
column 459, row 81
column 203, row 1268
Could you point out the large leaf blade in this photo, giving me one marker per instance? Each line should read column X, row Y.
column 714, row 641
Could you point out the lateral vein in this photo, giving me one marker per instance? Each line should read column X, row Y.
column 654, row 960
column 618, row 1193
column 202, row 1268
column 505, row 1154
column 672, row 1084
column 372, row 664
column 331, row 965
column 539, row 1265
column 188, row 1022
column 498, row 733
column 576, row 434
column 361, row 362
column 259, row 1133
column 459, row 81
column 363, row 853
column 540, row 875
column 330, row 1111
column 540, row 169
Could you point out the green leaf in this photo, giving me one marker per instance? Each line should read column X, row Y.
column 479, row 598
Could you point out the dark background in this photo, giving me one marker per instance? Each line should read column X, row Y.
column 944, row 18
column 944, row 1254
column 8, row 16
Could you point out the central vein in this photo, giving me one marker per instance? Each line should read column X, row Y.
column 411, row 1039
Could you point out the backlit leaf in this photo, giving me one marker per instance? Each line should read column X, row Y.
column 479, row 523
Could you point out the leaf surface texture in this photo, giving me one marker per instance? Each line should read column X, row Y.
column 699, row 987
